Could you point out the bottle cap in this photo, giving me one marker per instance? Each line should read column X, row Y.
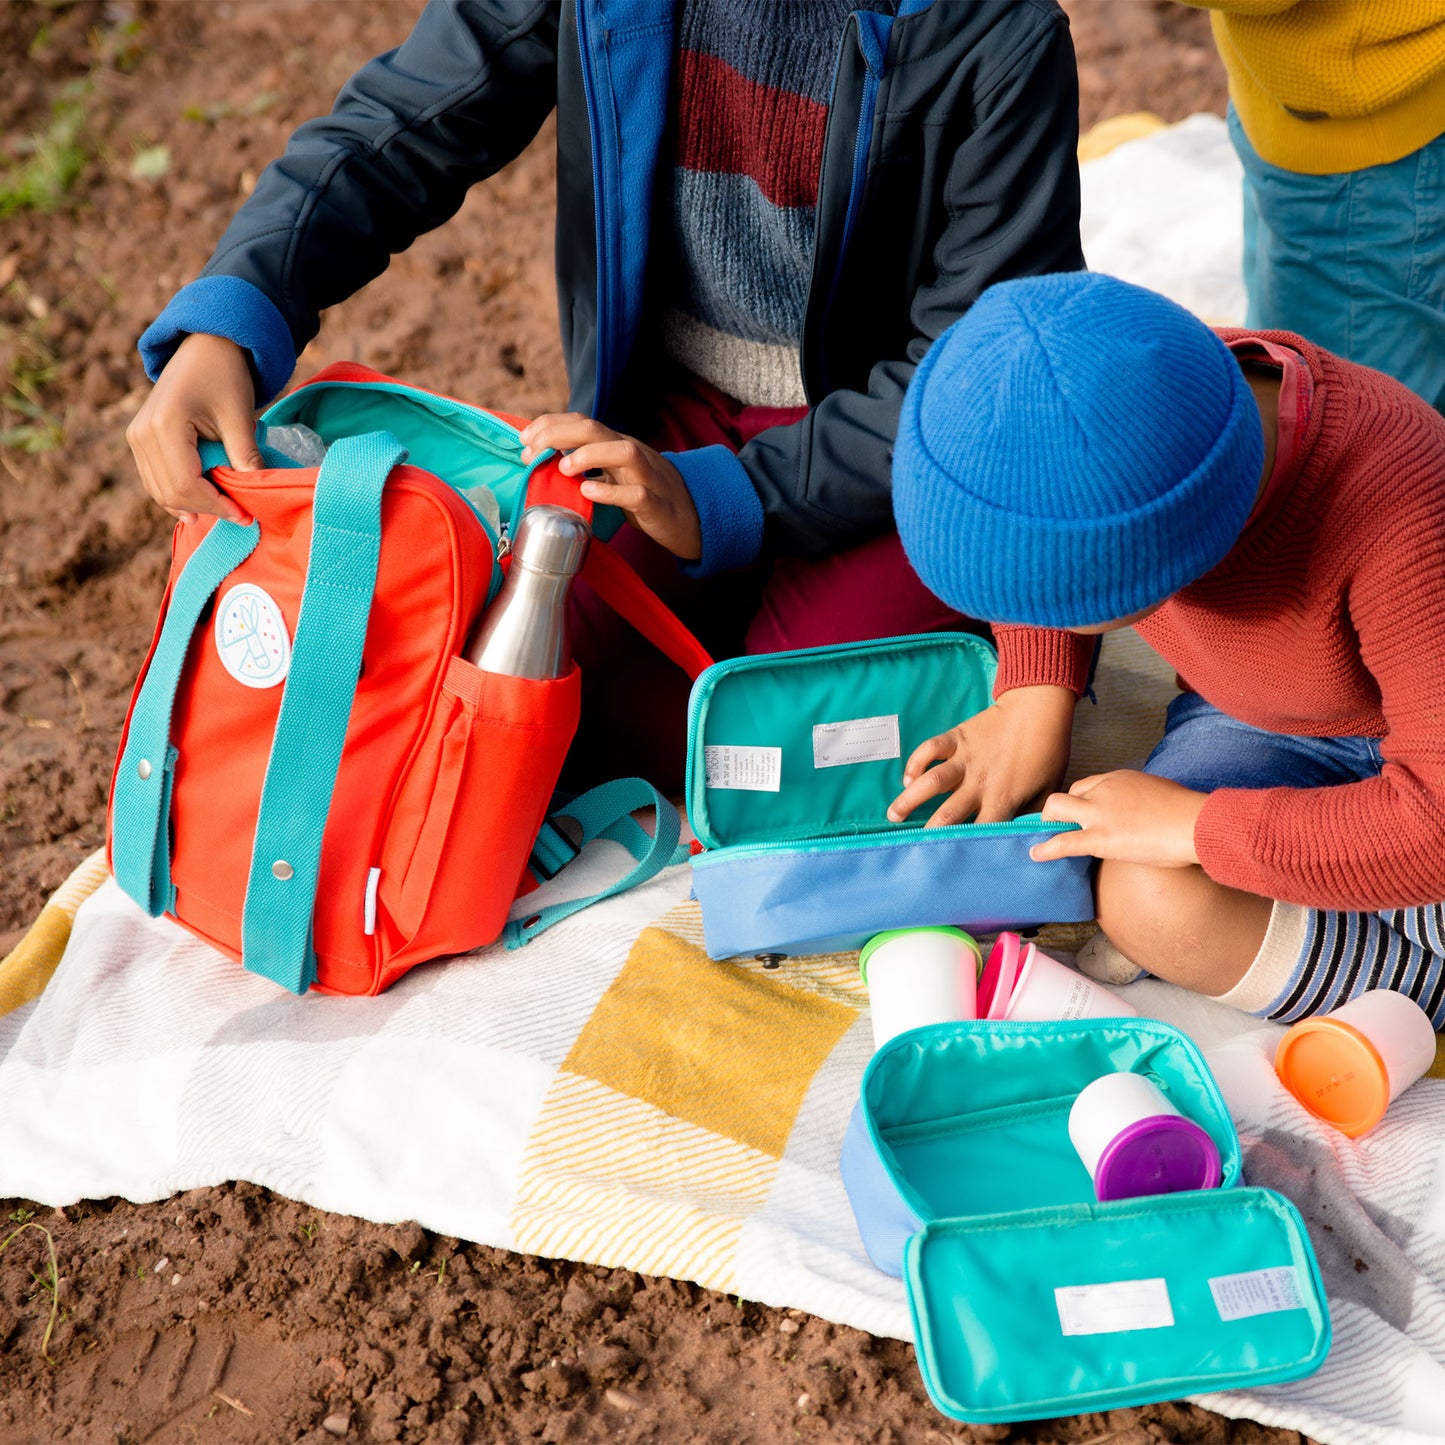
column 1335, row 1072
column 551, row 539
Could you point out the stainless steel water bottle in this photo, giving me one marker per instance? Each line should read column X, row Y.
column 524, row 632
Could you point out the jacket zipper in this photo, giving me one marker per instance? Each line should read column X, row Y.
column 599, row 189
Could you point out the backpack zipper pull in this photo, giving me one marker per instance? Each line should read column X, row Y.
column 504, row 543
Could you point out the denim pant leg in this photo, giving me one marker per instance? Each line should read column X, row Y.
column 1343, row 953
column 1354, row 261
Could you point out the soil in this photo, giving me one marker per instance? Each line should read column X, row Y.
column 231, row 1314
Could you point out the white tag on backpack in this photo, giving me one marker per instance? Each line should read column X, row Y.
column 859, row 740
column 743, row 769
column 1104, row 1309
column 1256, row 1292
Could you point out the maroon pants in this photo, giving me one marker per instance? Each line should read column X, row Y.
column 634, row 701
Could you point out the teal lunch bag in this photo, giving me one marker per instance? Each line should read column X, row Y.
column 1029, row 1298
column 793, row 759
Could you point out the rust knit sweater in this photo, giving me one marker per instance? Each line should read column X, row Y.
column 1326, row 618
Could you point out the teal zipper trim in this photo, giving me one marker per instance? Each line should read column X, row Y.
column 503, row 431
column 708, row 680
column 900, row 834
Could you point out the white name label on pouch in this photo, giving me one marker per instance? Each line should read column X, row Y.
column 743, row 769
column 1256, row 1292
column 860, row 740
column 1104, row 1309
column 251, row 636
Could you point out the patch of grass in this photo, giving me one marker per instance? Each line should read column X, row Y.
column 50, row 1283
column 26, row 424
column 51, row 160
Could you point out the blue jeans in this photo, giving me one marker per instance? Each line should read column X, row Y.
column 1343, row 953
column 1353, row 261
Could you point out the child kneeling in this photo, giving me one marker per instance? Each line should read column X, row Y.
column 1079, row 454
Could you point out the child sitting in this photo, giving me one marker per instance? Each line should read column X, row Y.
column 1080, row 453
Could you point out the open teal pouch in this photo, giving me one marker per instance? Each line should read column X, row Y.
column 793, row 759
column 1029, row 1298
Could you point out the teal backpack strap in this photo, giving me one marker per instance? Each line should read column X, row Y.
column 606, row 812
column 141, row 800
column 315, row 708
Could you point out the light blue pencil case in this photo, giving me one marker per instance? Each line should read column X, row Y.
column 793, row 759
column 1029, row 1298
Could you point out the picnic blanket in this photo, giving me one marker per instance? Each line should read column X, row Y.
column 611, row 1095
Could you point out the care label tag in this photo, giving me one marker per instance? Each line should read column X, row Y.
column 1256, row 1292
column 743, row 769
column 1104, row 1309
column 860, row 740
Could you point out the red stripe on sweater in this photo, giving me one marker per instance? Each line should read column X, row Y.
column 727, row 123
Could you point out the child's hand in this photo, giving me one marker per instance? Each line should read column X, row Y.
column 999, row 763
column 206, row 391
column 642, row 482
column 1129, row 816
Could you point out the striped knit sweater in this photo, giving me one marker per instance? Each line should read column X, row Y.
column 753, row 80
column 1327, row 619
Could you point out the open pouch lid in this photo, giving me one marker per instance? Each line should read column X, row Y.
column 1062, row 1310
column 811, row 743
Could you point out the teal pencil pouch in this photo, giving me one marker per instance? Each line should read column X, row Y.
column 1029, row 1298
column 793, row 759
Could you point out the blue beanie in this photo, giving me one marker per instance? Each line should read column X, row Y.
column 1071, row 451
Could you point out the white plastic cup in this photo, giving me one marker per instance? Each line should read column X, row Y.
column 918, row 976
column 1134, row 1142
column 1348, row 1066
column 1049, row 989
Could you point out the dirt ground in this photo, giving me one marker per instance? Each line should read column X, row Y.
column 128, row 133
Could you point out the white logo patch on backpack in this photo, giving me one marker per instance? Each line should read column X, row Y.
column 251, row 637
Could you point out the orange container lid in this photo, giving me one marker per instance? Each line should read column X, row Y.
column 1336, row 1073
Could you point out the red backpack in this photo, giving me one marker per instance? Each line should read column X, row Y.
column 311, row 778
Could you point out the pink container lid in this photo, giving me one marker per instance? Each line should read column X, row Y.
column 1000, row 973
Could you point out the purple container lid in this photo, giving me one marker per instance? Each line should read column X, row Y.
column 1159, row 1155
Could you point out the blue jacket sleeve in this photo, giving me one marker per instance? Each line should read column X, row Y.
column 409, row 134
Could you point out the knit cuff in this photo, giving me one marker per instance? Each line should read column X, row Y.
column 230, row 307
column 1041, row 657
column 728, row 509
column 1266, row 981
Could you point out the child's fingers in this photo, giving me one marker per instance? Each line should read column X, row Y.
column 629, row 496
column 959, row 807
column 557, row 431
column 1084, row 786
column 1074, row 844
column 1064, row 808
column 925, row 754
column 927, row 785
column 615, row 454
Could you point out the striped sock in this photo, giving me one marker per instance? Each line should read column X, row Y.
column 1313, row 960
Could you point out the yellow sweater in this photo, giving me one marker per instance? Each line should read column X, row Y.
column 1334, row 85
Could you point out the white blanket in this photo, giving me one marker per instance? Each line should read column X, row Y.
column 608, row 1094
